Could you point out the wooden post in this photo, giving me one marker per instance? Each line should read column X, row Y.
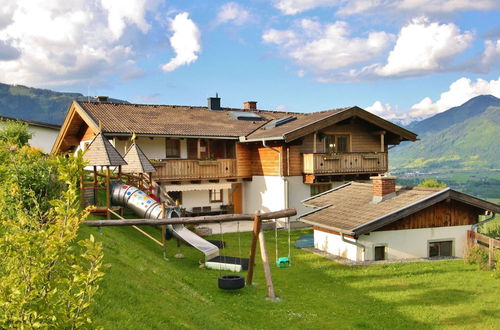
column 382, row 146
column 255, row 235
column 164, row 232
column 267, row 269
column 108, row 192
column 491, row 253
column 314, row 142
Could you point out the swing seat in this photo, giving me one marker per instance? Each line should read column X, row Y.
column 283, row 262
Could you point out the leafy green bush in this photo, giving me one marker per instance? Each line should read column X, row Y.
column 432, row 183
column 476, row 256
column 15, row 133
column 48, row 281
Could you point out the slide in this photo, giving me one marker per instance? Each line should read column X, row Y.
column 146, row 207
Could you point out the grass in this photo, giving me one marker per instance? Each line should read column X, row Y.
column 142, row 290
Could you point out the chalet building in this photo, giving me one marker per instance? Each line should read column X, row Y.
column 379, row 221
column 44, row 134
column 215, row 159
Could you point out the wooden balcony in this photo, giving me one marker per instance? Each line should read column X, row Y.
column 192, row 169
column 345, row 163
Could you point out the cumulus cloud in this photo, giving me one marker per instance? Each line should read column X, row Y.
column 232, row 13
column 424, row 46
column 61, row 42
column 326, row 47
column 353, row 7
column 458, row 93
column 185, row 41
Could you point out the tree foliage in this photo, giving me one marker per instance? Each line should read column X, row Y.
column 49, row 279
column 432, row 183
column 15, row 133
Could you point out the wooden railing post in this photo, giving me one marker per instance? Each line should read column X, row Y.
column 251, row 259
column 491, row 253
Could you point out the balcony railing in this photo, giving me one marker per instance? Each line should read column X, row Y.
column 347, row 163
column 190, row 169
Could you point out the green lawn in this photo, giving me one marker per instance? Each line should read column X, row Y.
column 142, row 290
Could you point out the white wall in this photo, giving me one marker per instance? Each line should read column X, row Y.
column 333, row 244
column 153, row 148
column 43, row 137
column 400, row 244
column 414, row 243
column 194, row 198
column 263, row 193
column 298, row 191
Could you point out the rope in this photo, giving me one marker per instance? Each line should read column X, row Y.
column 239, row 244
column 289, row 243
column 276, row 238
column 222, row 245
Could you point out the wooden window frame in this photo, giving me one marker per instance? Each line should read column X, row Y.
column 441, row 240
column 213, row 199
column 178, row 154
column 336, row 143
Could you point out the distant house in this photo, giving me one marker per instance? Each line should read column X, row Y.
column 379, row 221
column 215, row 159
column 44, row 134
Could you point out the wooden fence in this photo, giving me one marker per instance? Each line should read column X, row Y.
column 485, row 243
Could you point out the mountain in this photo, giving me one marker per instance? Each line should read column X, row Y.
column 43, row 105
column 463, row 137
column 474, row 107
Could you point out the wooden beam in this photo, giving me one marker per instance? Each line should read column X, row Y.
column 251, row 259
column 191, row 220
column 267, row 269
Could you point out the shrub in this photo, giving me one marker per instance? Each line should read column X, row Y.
column 48, row 281
column 432, row 183
column 476, row 256
column 15, row 133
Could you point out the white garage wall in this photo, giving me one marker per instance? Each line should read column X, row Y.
column 413, row 243
column 333, row 244
column 43, row 137
column 263, row 193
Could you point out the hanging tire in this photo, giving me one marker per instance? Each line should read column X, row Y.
column 231, row 282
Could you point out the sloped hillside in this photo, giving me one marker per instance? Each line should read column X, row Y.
column 466, row 138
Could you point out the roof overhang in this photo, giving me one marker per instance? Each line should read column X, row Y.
column 345, row 114
column 221, row 137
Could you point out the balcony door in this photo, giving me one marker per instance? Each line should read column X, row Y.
column 337, row 143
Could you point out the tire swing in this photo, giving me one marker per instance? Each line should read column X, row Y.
column 230, row 282
column 282, row 262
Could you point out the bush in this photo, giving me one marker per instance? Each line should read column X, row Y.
column 432, row 183
column 476, row 256
column 48, row 280
column 15, row 133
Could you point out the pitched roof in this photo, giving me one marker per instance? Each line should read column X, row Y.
column 174, row 120
column 101, row 152
column 348, row 208
column 137, row 162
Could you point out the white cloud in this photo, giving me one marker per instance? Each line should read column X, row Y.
column 490, row 58
column 326, row 47
column 61, row 42
column 423, row 46
column 292, row 7
column 411, row 7
column 233, row 13
column 458, row 93
column 185, row 41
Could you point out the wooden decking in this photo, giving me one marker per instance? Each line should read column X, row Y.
column 345, row 163
column 191, row 169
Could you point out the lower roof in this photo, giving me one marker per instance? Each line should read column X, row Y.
column 349, row 208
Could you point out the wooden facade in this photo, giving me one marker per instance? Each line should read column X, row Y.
column 442, row 214
column 189, row 169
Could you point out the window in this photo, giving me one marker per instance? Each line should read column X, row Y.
column 320, row 188
column 336, row 143
column 173, row 148
column 176, row 196
column 380, row 252
column 215, row 195
column 440, row 249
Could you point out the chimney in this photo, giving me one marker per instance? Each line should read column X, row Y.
column 102, row 99
column 384, row 187
column 250, row 105
column 214, row 102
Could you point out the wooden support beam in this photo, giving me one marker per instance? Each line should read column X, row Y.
column 267, row 269
column 108, row 192
column 251, row 259
column 192, row 220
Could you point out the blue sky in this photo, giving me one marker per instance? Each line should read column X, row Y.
column 401, row 59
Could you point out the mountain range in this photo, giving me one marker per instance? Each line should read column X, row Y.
column 463, row 137
column 44, row 105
